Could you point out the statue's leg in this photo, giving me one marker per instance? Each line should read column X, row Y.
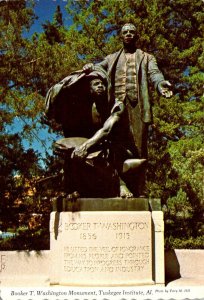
column 139, row 134
column 134, row 172
column 124, row 191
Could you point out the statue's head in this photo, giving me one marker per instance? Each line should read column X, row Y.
column 97, row 82
column 97, row 87
column 128, row 34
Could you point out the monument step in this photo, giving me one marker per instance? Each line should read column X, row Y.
column 105, row 204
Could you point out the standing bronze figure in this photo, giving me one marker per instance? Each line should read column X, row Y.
column 130, row 71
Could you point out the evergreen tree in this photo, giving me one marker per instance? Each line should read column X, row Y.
column 19, row 170
column 54, row 30
column 20, row 100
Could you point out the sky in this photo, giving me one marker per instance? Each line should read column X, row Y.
column 45, row 10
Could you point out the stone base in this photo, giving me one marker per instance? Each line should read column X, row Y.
column 105, row 247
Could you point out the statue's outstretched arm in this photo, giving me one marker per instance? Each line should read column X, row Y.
column 157, row 78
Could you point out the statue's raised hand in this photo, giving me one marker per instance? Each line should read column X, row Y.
column 88, row 68
column 164, row 89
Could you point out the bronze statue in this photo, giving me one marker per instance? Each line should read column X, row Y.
column 129, row 71
column 105, row 111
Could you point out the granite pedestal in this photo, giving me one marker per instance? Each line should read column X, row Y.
column 107, row 242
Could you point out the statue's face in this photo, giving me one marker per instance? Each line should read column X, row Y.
column 128, row 34
column 97, row 87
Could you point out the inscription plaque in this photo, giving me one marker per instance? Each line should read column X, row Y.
column 105, row 248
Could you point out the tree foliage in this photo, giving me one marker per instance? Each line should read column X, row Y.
column 172, row 31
